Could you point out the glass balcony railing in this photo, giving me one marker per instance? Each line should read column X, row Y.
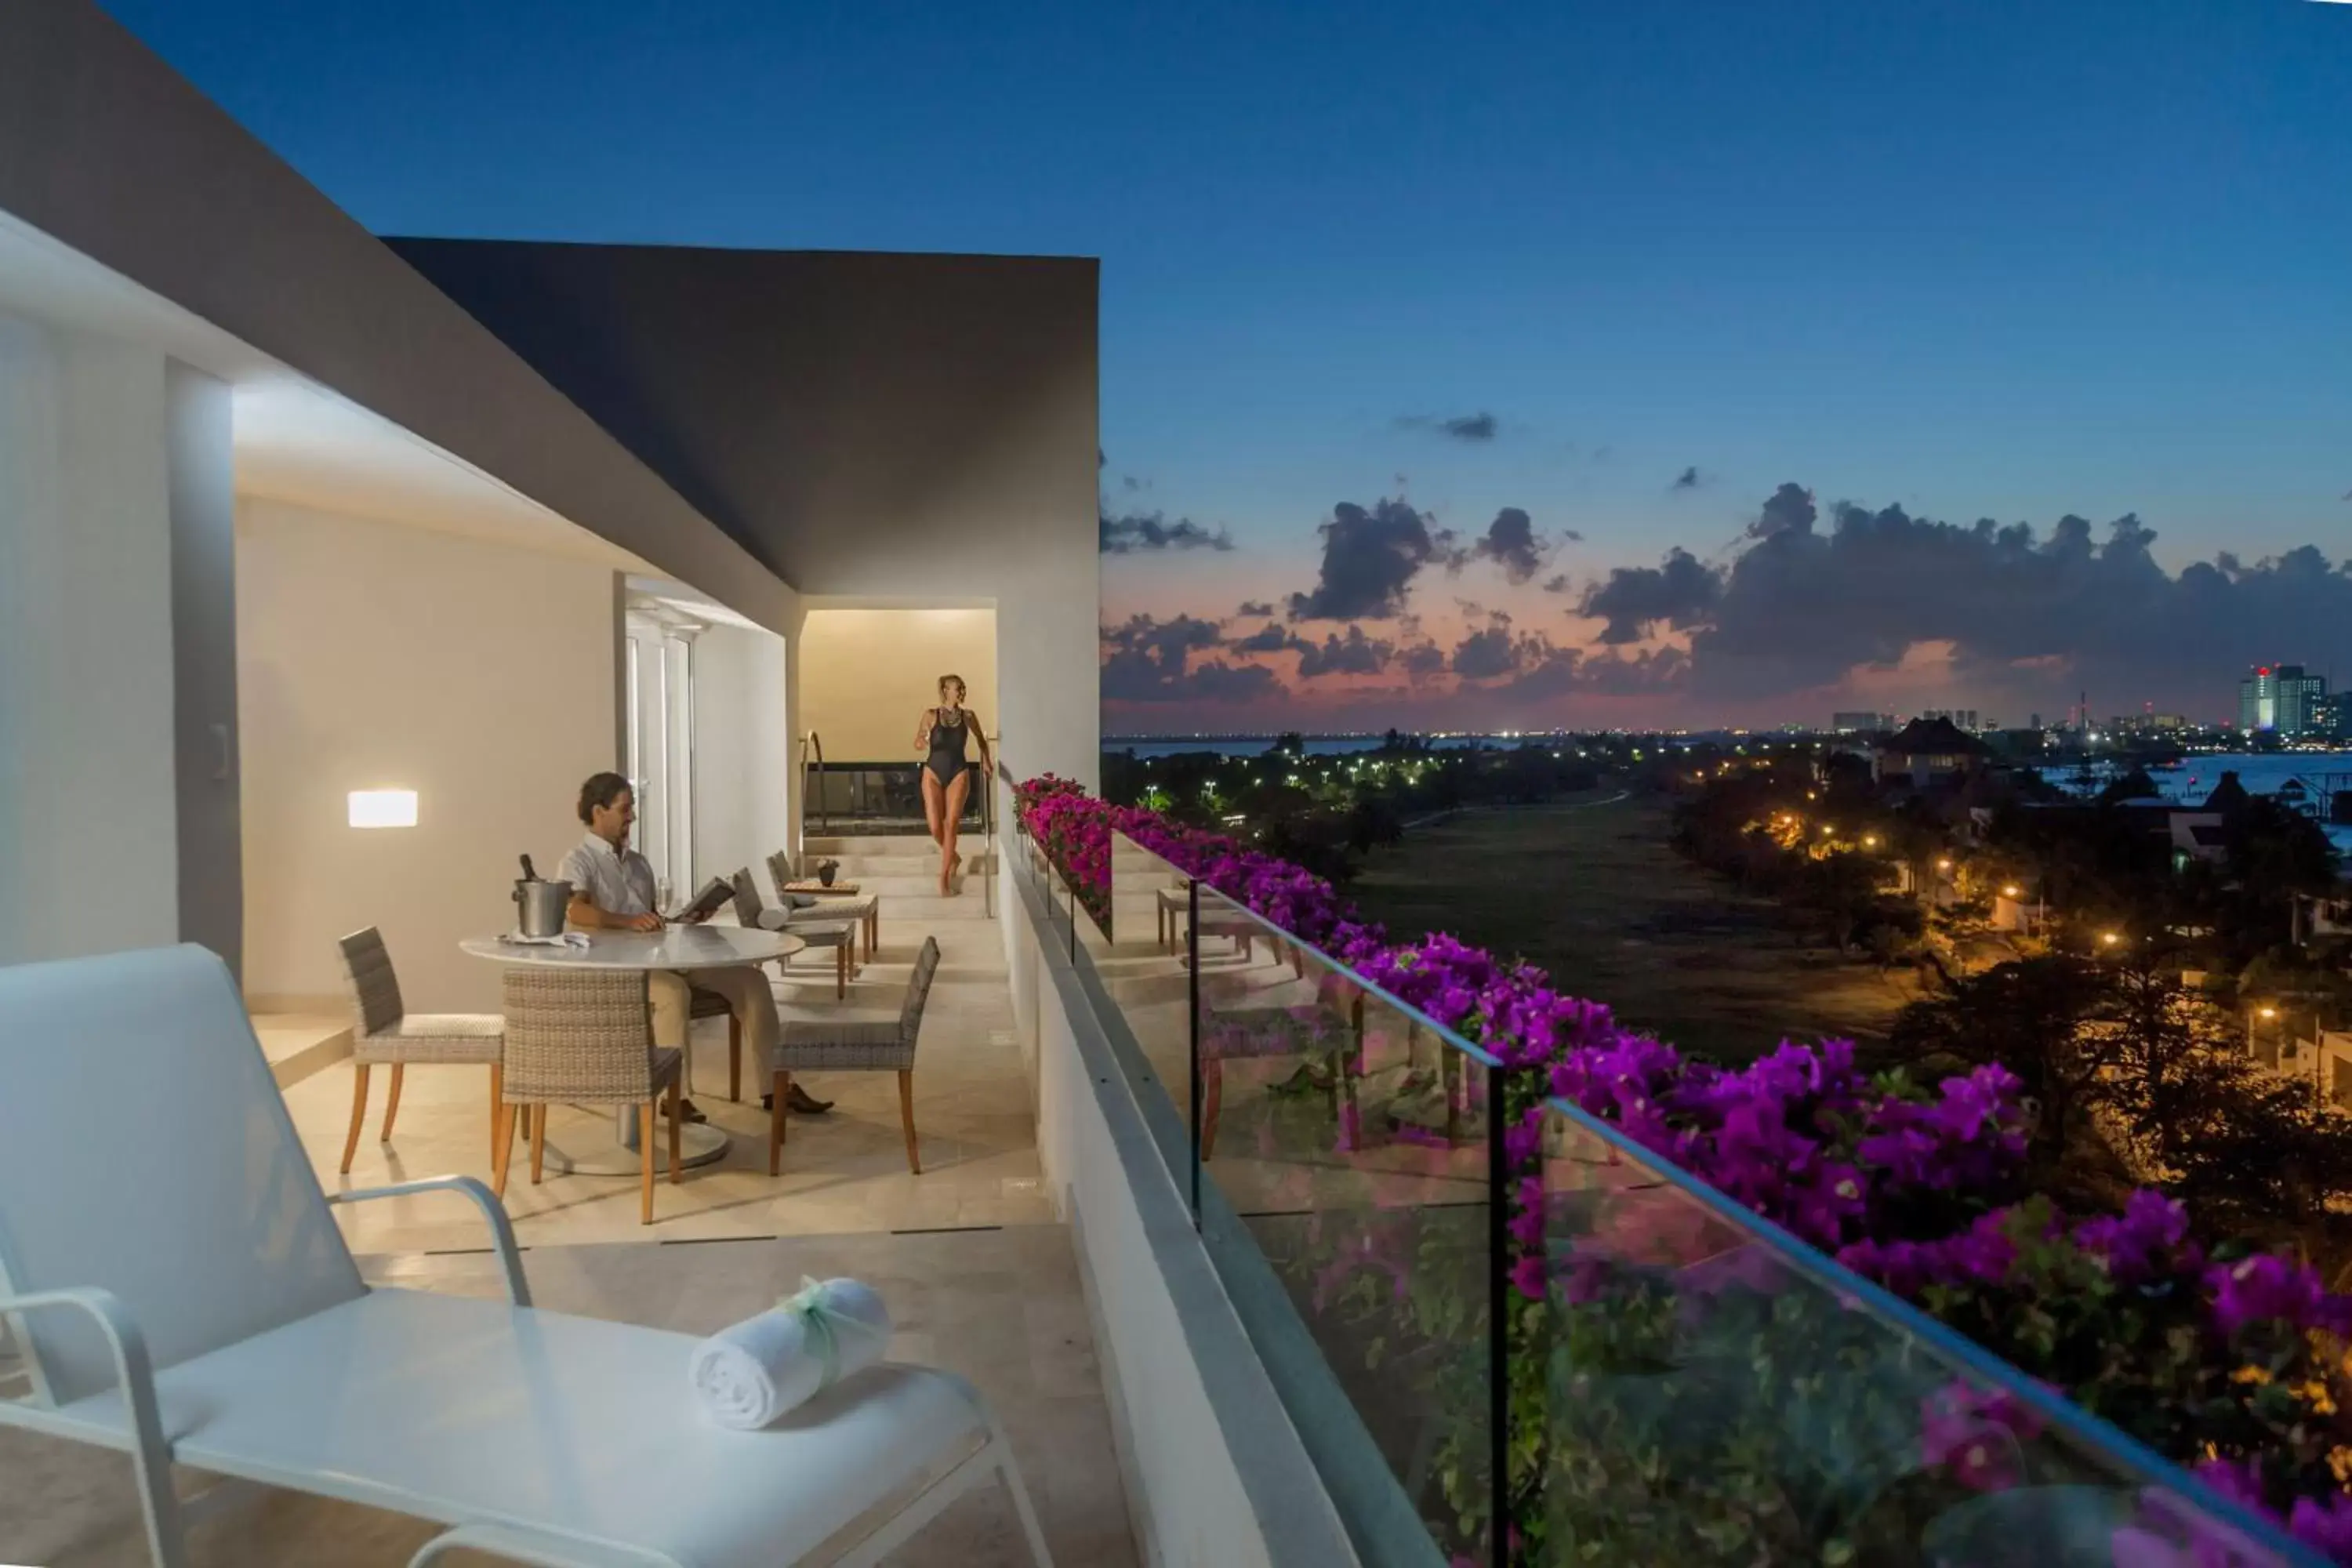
column 1661, row 1376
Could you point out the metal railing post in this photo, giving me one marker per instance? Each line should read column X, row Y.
column 1192, row 1027
column 816, row 792
column 1498, row 1353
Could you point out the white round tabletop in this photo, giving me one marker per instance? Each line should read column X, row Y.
column 675, row 948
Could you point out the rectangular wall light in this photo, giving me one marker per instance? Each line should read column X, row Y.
column 383, row 807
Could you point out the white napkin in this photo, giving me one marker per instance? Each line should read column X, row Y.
column 748, row 1376
column 561, row 938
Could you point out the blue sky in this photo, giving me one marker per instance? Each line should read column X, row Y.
column 1979, row 259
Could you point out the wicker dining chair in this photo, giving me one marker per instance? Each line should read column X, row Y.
column 780, row 872
column 702, row 1005
column 584, row 1037
column 840, row 934
column 384, row 1033
column 865, row 908
column 854, row 1045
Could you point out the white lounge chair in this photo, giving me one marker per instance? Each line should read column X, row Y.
column 188, row 1300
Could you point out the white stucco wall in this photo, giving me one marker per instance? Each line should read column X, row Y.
column 88, row 838
column 743, row 751
column 371, row 655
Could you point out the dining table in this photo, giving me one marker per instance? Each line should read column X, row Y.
column 682, row 949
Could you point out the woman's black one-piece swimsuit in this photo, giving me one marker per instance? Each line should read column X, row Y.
column 946, row 761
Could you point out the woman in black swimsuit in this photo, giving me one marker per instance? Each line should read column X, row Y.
column 947, row 782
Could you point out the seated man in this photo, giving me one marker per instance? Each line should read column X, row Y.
column 613, row 889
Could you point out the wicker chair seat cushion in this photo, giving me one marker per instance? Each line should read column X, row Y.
column 472, row 1037
column 849, row 1045
column 838, row 933
column 819, row 910
column 862, row 1045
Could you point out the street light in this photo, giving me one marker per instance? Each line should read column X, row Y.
column 1870, row 841
column 2267, row 1013
column 2011, row 891
column 2109, row 938
column 1944, row 865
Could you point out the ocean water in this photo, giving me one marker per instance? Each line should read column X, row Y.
column 2263, row 772
column 2321, row 774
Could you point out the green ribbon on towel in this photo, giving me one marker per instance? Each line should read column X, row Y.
column 822, row 1326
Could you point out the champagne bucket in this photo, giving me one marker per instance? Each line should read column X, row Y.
column 540, row 907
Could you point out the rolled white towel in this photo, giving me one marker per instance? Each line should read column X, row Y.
column 747, row 1375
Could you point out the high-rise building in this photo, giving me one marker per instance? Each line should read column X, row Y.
column 2282, row 699
column 1961, row 718
column 2331, row 716
column 1859, row 723
column 2258, row 700
column 2299, row 695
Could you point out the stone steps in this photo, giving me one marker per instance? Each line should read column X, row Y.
column 842, row 846
column 886, row 874
column 920, row 909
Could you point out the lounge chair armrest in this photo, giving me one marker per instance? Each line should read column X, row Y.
column 135, row 1375
column 493, row 1210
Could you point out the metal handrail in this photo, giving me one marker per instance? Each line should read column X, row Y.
column 988, row 831
column 807, row 740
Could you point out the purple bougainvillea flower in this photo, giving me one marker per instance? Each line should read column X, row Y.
column 2149, row 1241
column 2265, row 1287
column 2325, row 1525
column 1976, row 1435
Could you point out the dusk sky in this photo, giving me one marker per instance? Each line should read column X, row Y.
column 1522, row 365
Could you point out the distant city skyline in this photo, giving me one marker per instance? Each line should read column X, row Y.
column 1533, row 365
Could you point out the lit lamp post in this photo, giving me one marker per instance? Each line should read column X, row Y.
column 2012, row 892
column 2268, row 1015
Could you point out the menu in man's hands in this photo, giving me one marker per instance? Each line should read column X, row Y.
column 714, row 893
